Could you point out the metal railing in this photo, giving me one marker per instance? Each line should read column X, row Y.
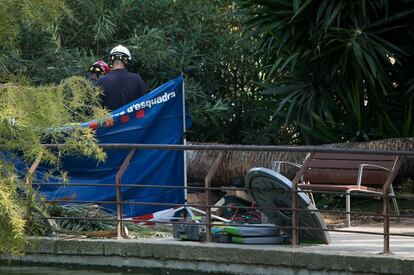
column 295, row 228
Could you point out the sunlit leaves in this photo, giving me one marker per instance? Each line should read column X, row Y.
column 12, row 223
column 32, row 115
column 15, row 15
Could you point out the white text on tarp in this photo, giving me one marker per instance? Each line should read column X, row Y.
column 147, row 104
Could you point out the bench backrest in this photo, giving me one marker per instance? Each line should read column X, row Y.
column 342, row 169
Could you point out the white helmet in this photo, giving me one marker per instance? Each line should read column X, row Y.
column 120, row 52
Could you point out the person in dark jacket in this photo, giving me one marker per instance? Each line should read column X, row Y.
column 120, row 87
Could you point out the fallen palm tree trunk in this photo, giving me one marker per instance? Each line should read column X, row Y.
column 235, row 164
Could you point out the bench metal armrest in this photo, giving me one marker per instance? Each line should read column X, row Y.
column 277, row 164
column 361, row 169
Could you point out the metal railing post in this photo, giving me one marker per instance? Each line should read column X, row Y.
column 29, row 189
column 119, row 209
column 207, row 182
column 386, row 208
column 295, row 194
column 386, row 216
column 295, row 233
column 348, row 208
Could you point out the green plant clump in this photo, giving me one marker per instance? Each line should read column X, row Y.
column 30, row 116
column 12, row 224
column 341, row 69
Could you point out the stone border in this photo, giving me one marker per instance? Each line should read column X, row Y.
column 212, row 257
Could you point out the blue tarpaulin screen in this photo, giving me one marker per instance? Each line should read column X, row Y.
column 156, row 118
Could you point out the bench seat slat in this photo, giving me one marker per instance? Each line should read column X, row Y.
column 349, row 164
column 342, row 176
column 334, row 187
column 359, row 157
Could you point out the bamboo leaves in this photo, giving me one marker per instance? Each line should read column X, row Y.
column 30, row 116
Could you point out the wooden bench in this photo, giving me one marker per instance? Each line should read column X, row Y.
column 347, row 173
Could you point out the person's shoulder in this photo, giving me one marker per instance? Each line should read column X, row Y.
column 134, row 75
column 103, row 78
column 131, row 73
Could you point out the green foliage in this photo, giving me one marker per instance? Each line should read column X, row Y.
column 202, row 38
column 169, row 37
column 23, row 115
column 12, row 223
column 30, row 116
column 82, row 218
column 16, row 15
column 339, row 68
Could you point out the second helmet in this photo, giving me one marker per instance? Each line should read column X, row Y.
column 99, row 67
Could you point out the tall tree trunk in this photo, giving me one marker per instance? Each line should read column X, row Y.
column 236, row 164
